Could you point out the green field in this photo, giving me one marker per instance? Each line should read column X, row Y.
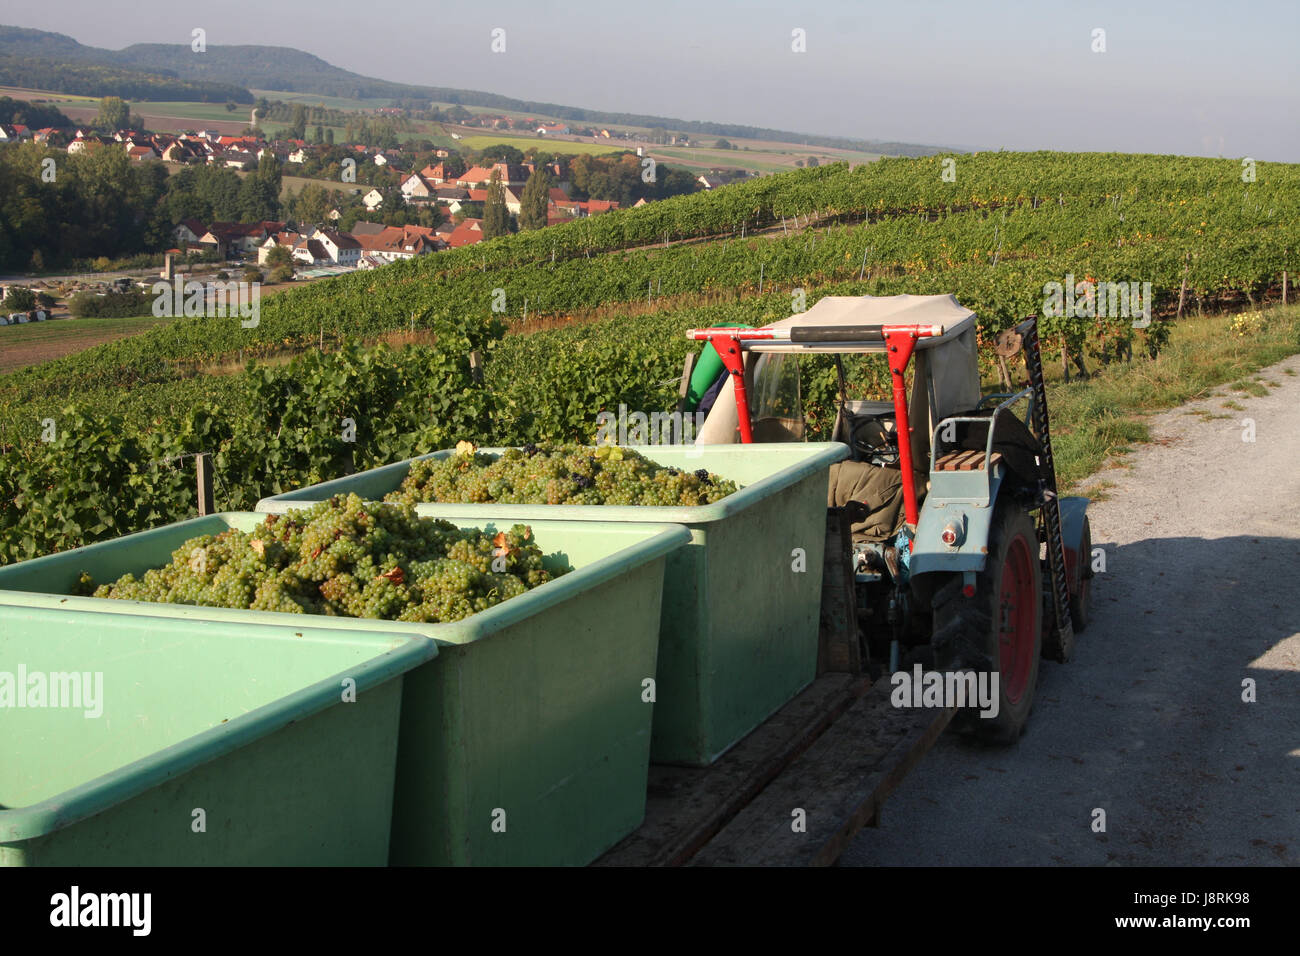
column 483, row 140
column 36, row 342
column 328, row 102
column 293, row 184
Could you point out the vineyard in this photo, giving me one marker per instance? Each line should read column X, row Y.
column 126, row 414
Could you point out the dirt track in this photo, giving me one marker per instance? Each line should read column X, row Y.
column 1201, row 591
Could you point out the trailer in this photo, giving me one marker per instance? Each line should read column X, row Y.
column 968, row 571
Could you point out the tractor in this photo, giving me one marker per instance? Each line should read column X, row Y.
column 962, row 555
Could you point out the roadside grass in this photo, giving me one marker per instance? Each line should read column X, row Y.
column 1099, row 418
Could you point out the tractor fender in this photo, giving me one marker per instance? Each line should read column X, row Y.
column 964, row 498
column 1074, row 511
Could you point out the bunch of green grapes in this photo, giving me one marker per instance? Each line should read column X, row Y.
column 345, row 558
column 558, row 475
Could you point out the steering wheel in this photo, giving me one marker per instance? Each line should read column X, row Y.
column 872, row 442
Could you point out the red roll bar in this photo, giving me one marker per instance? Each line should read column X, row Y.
column 899, row 343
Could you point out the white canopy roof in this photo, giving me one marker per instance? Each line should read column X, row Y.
column 943, row 311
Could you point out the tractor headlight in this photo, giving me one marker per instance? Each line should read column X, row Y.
column 952, row 533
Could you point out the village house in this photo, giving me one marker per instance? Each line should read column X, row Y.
column 467, row 233
column 391, row 243
column 514, row 176
column 236, row 237
column 513, row 200
column 189, row 232
column 415, row 189
column 86, row 143
column 436, row 175
column 474, row 177
column 593, row 207
column 239, row 159
column 343, row 249
column 180, row 151
column 311, row 252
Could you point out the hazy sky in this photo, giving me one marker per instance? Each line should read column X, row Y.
column 1194, row 77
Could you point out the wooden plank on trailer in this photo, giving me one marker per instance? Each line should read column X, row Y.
column 686, row 806
column 839, row 783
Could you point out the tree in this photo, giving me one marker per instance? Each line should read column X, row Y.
column 454, row 165
column 723, row 144
column 231, row 106
column 298, row 125
column 501, row 153
column 496, row 218
column 282, row 273
column 19, row 299
column 329, row 135
column 534, row 201
column 279, row 256
column 114, row 113
column 812, row 161
column 259, row 193
column 310, row 204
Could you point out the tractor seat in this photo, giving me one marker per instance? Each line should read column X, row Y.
column 966, row 461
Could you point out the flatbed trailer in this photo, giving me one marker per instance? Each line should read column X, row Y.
column 800, row 787
column 836, row 752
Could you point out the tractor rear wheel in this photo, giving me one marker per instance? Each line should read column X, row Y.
column 999, row 630
column 1081, row 582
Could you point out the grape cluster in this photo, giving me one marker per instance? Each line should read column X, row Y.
column 344, row 558
column 558, row 475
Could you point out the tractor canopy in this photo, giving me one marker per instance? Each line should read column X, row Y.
column 939, row 329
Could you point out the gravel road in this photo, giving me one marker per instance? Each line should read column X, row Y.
column 1201, row 591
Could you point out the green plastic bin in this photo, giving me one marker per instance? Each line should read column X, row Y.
column 525, row 740
column 147, row 741
column 741, row 603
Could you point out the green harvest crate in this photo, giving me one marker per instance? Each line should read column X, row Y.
column 740, row 625
column 530, row 717
column 180, row 743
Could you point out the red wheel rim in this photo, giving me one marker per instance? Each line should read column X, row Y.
column 1018, row 607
